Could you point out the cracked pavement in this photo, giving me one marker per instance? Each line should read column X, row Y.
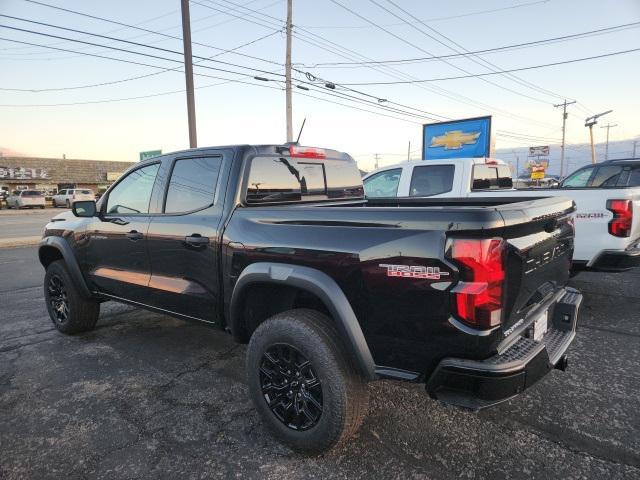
column 148, row 396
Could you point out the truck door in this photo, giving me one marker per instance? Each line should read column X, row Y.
column 184, row 237
column 115, row 245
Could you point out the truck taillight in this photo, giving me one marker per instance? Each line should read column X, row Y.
column 306, row 152
column 478, row 296
column 620, row 225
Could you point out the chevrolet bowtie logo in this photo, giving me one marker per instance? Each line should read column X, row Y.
column 454, row 139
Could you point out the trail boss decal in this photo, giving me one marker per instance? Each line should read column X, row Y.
column 431, row 273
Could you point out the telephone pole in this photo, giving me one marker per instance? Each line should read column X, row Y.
column 188, row 72
column 608, row 126
column 590, row 122
column 564, row 126
column 377, row 157
column 634, row 148
column 409, row 151
column 288, row 72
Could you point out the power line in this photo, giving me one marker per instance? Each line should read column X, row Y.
column 135, row 27
column 138, row 44
column 408, row 61
column 404, row 40
column 352, row 99
column 386, row 70
column 532, row 67
column 437, row 19
column 178, row 68
column 123, row 80
column 476, row 59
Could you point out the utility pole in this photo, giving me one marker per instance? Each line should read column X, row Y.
column 608, row 126
column 590, row 122
column 564, row 126
column 409, row 151
column 377, row 157
column 515, row 154
column 188, row 72
column 288, row 72
column 634, row 148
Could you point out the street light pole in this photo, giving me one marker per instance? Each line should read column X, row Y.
column 608, row 126
column 188, row 72
column 564, row 126
column 288, row 73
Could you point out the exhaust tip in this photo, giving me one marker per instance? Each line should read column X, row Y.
column 563, row 363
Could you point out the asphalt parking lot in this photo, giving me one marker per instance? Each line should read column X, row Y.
column 149, row 396
column 21, row 227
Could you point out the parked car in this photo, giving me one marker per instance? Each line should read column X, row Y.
column 26, row 199
column 607, row 197
column 278, row 246
column 4, row 194
column 66, row 197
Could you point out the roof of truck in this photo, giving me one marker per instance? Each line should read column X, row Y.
column 441, row 161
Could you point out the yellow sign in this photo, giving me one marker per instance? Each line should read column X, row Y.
column 454, row 139
column 537, row 175
column 113, row 176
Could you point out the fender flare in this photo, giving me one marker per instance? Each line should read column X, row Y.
column 321, row 285
column 70, row 260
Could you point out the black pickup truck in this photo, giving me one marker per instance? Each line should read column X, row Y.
column 278, row 246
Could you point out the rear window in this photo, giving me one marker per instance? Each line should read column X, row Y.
column 285, row 179
column 431, row 180
column 486, row 177
column 31, row 193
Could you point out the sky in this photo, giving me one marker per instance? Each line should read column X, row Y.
column 92, row 107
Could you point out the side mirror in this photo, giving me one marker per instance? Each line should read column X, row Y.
column 84, row 208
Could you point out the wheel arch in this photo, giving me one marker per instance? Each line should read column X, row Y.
column 311, row 281
column 57, row 248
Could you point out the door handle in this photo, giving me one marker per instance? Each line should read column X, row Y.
column 134, row 235
column 196, row 240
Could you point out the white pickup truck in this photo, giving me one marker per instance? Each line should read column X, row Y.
column 607, row 196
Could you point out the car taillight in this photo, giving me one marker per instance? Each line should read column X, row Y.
column 306, row 152
column 478, row 296
column 620, row 225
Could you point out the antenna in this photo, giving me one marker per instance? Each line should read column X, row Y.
column 301, row 128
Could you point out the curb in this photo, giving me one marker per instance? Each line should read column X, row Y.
column 20, row 242
column 6, row 212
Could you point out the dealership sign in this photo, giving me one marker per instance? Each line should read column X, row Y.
column 541, row 151
column 22, row 173
column 457, row 139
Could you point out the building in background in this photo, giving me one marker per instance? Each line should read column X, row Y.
column 53, row 174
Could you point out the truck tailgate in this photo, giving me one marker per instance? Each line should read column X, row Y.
column 539, row 237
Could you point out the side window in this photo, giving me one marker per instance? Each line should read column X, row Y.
column 606, row 176
column 133, row 192
column 62, row 192
column 634, row 178
column 383, row 184
column 578, row 179
column 192, row 184
column 431, row 180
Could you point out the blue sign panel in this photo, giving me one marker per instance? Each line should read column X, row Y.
column 457, row 139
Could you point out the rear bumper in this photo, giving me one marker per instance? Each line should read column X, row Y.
column 477, row 384
column 617, row 260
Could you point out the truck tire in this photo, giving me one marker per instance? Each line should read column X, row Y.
column 302, row 382
column 68, row 310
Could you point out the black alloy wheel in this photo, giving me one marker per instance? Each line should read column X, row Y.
column 58, row 299
column 291, row 387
